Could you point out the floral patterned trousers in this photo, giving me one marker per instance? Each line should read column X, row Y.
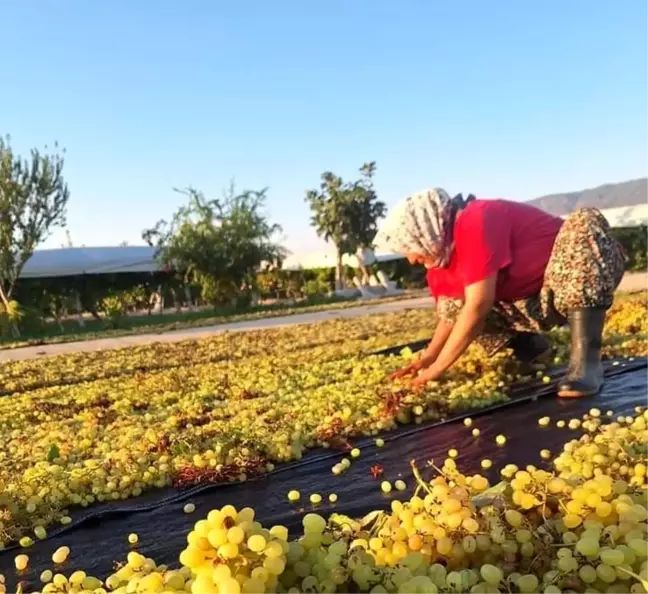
column 585, row 268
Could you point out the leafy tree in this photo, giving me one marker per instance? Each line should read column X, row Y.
column 217, row 244
column 346, row 214
column 33, row 200
column 329, row 206
column 365, row 212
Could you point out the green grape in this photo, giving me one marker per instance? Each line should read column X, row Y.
column 588, row 574
column 252, row 586
column 606, row 573
column 314, row 523
column 528, row 583
column 587, row 546
column 454, row 581
column 491, row 574
column 611, row 556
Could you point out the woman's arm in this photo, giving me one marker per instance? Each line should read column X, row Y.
column 441, row 334
column 479, row 299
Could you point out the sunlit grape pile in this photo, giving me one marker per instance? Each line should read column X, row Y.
column 579, row 528
column 88, row 428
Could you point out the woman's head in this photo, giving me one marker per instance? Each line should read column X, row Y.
column 420, row 227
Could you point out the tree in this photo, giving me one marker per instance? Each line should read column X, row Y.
column 33, row 200
column 365, row 212
column 217, row 244
column 347, row 215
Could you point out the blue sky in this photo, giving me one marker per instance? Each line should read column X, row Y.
column 506, row 98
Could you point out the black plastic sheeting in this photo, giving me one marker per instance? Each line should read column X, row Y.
column 98, row 536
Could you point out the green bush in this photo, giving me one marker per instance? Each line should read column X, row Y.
column 635, row 242
column 10, row 317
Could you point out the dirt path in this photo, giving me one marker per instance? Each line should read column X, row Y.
column 98, row 344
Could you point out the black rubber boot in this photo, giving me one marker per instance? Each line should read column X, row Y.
column 529, row 347
column 585, row 373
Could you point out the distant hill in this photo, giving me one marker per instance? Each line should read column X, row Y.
column 629, row 193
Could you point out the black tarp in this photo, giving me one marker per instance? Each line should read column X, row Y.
column 98, row 536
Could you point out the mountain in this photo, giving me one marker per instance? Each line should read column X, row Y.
column 629, row 193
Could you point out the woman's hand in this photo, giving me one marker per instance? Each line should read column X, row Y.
column 430, row 354
column 431, row 374
column 411, row 369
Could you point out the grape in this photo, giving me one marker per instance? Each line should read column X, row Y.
column 469, row 544
column 40, row 532
column 588, row 574
column 313, row 523
column 611, row 556
column 21, row 562
column 229, row 586
column 476, row 432
column 60, row 555
column 253, row 586
column 355, row 453
column 316, row 499
column 333, row 498
column 513, row 517
column 274, row 565
column 486, row 463
column 400, row 485
column 189, row 508
column 491, row 574
column 256, row 543
column 133, row 538
column 385, row 487
column 274, row 549
column 527, row 583
column 500, row 440
column 544, row 421
column 380, row 442
column 293, row 496
column 606, row 573
column 589, row 546
column 467, row 422
column 235, row 535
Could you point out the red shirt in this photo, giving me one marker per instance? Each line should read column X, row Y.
column 511, row 239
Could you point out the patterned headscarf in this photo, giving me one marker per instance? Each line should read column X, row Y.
column 423, row 223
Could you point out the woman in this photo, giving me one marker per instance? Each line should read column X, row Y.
column 503, row 272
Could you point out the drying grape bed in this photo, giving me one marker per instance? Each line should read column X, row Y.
column 226, row 409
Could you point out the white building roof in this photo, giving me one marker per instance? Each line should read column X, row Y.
column 89, row 260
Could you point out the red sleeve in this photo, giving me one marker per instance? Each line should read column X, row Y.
column 431, row 282
column 482, row 242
